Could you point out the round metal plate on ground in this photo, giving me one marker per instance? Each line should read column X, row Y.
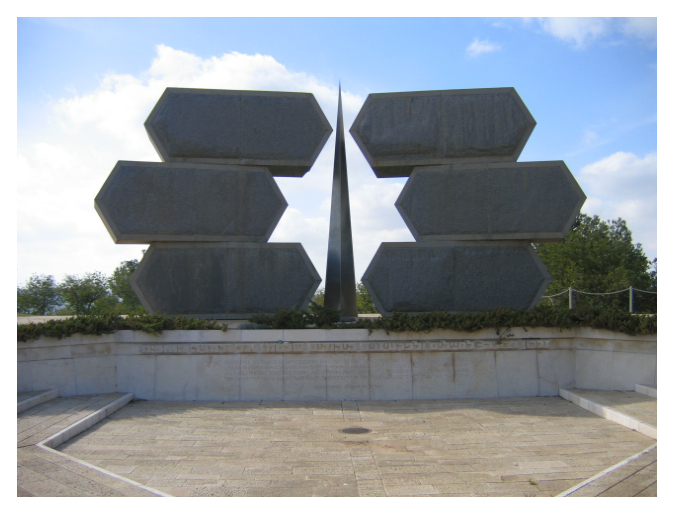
column 355, row 430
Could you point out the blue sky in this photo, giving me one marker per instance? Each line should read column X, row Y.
column 85, row 86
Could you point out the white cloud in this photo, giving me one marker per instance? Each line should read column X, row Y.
column 58, row 229
column 623, row 185
column 642, row 28
column 581, row 32
column 478, row 47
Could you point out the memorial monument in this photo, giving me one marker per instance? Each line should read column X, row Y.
column 209, row 208
column 340, row 293
column 472, row 209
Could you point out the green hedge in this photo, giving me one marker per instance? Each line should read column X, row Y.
column 106, row 324
column 501, row 320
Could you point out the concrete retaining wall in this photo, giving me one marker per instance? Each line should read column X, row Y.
column 336, row 364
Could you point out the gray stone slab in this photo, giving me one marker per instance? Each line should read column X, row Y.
column 398, row 131
column 281, row 130
column 455, row 276
column 144, row 202
column 224, row 280
column 536, row 201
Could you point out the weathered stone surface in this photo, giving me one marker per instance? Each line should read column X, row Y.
column 281, row 130
column 224, row 280
column 398, row 131
column 455, row 276
column 145, row 202
column 536, row 201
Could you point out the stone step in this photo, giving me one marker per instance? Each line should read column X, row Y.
column 646, row 389
column 44, row 420
column 630, row 409
column 27, row 400
column 44, row 472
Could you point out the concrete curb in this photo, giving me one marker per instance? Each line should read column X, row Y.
column 610, row 414
column 80, row 426
column 605, row 472
column 646, row 389
column 35, row 400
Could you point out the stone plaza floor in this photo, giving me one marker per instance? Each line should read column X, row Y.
column 534, row 446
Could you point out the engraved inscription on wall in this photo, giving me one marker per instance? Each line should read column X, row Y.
column 347, row 347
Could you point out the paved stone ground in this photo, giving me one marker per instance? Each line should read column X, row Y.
column 43, row 473
column 636, row 478
column 536, row 446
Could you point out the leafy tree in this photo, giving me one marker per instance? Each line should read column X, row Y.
column 364, row 303
column 39, row 296
column 599, row 257
column 82, row 293
column 128, row 302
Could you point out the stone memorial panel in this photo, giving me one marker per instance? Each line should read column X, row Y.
column 146, row 202
column 534, row 201
column 283, row 131
column 398, row 131
column 455, row 276
column 224, row 280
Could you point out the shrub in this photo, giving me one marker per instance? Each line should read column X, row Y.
column 106, row 324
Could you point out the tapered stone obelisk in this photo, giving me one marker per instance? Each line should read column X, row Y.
column 340, row 293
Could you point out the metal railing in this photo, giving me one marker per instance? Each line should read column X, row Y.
column 571, row 291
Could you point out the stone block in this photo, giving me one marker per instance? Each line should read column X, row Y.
column 176, row 378
column 455, row 276
column 136, row 374
column 262, row 377
column 224, row 280
column 556, row 370
column 631, row 368
column 594, row 369
column 144, row 202
column 536, row 201
column 219, row 377
column 391, row 376
column 95, row 375
column 54, row 374
column 398, row 131
column 475, row 375
column 280, row 130
column 432, row 375
column 517, row 373
column 347, row 377
column 304, row 378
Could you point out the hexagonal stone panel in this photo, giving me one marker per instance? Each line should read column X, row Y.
column 145, row 202
column 224, row 280
column 280, row 130
column 536, row 201
column 454, row 276
column 398, row 131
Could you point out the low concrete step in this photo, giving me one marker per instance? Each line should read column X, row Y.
column 27, row 400
column 45, row 472
column 630, row 409
column 646, row 389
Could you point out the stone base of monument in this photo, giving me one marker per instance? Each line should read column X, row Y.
column 333, row 365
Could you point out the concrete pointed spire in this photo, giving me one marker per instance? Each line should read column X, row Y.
column 340, row 293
